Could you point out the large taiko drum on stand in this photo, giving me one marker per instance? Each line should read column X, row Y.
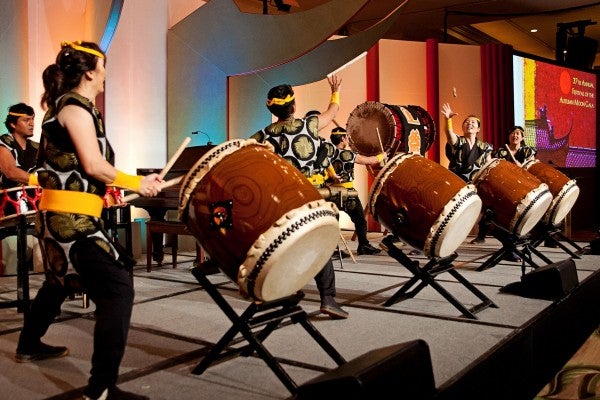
column 372, row 126
column 517, row 199
column 424, row 204
column 564, row 190
column 259, row 218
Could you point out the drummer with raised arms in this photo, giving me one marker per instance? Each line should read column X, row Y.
column 467, row 153
column 297, row 140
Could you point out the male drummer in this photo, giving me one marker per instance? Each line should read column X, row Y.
column 343, row 160
column 18, row 153
column 297, row 140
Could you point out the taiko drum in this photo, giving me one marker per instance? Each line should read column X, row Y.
column 259, row 218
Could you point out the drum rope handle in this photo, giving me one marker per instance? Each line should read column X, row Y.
column 24, row 196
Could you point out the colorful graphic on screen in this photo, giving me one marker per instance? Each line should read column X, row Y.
column 557, row 107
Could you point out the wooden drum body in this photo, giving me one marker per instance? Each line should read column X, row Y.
column 564, row 190
column 259, row 218
column 517, row 198
column 424, row 204
column 373, row 125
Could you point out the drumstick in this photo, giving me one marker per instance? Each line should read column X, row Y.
column 336, row 124
column 165, row 184
column 347, row 248
column 175, row 156
column 380, row 143
column 511, row 155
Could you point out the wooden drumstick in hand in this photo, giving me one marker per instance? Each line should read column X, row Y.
column 382, row 162
column 165, row 170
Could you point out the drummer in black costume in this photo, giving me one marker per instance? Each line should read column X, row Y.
column 514, row 151
column 297, row 140
column 18, row 153
column 343, row 160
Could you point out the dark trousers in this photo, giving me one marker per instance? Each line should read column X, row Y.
column 325, row 280
column 354, row 209
column 110, row 286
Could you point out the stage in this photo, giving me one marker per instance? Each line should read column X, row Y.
column 508, row 352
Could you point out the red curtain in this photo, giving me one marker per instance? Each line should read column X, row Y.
column 433, row 94
column 497, row 93
column 372, row 78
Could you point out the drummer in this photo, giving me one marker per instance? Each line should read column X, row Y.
column 18, row 155
column 297, row 140
column 514, row 151
column 18, row 152
column 343, row 160
column 467, row 153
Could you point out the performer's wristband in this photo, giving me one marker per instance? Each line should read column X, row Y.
column 335, row 98
column 380, row 157
column 449, row 124
column 132, row 182
column 33, row 180
column 331, row 171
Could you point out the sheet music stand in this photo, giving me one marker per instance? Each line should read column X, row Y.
column 511, row 243
column 547, row 233
column 268, row 315
column 427, row 274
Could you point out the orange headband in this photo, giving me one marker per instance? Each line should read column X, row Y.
column 14, row 114
column 77, row 46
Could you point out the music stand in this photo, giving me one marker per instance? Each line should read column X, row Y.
column 511, row 243
column 548, row 233
column 268, row 316
column 427, row 275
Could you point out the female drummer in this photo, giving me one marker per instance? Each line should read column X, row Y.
column 297, row 140
column 515, row 150
column 467, row 153
column 77, row 165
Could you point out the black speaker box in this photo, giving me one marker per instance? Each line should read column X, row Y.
column 581, row 52
column 551, row 281
column 401, row 371
column 595, row 246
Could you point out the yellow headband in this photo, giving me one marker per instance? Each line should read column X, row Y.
column 14, row 114
column 339, row 133
column 77, row 46
column 280, row 102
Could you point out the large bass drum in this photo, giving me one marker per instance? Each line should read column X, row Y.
column 517, row 199
column 564, row 190
column 374, row 127
column 258, row 217
column 424, row 204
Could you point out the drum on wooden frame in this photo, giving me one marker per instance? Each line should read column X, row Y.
column 258, row 217
column 564, row 190
column 517, row 198
column 374, row 127
column 424, row 204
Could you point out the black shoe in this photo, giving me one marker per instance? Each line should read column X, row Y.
column 367, row 249
column 208, row 267
column 330, row 307
column 114, row 393
column 336, row 255
column 512, row 257
column 477, row 240
column 40, row 352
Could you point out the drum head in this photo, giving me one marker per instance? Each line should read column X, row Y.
column 562, row 204
column 289, row 255
column 368, row 123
